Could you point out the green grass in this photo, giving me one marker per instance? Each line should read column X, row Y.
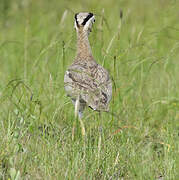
column 37, row 43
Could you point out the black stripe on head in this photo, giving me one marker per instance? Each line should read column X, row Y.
column 76, row 19
column 87, row 18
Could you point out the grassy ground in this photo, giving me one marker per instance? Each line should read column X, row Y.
column 141, row 52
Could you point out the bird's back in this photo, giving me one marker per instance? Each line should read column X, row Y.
column 91, row 82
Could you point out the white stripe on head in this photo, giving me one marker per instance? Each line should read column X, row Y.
column 84, row 20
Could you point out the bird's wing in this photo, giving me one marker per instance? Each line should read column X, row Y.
column 91, row 81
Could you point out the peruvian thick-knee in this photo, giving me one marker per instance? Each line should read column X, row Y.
column 85, row 80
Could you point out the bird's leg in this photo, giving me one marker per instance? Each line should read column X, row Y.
column 81, row 123
column 78, row 116
column 76, row 104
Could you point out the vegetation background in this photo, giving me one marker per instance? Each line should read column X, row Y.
column 141, row 52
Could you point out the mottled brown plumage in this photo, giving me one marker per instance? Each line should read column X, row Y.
column 85, row 80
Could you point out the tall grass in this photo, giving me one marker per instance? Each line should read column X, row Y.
column 139, row 139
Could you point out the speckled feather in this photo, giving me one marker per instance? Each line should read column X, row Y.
column 91, row 81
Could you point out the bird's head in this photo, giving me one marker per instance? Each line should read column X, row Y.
column 84, row 21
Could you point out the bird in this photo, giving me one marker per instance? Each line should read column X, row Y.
column 86, row 82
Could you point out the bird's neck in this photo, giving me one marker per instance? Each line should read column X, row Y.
column 83, row 46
